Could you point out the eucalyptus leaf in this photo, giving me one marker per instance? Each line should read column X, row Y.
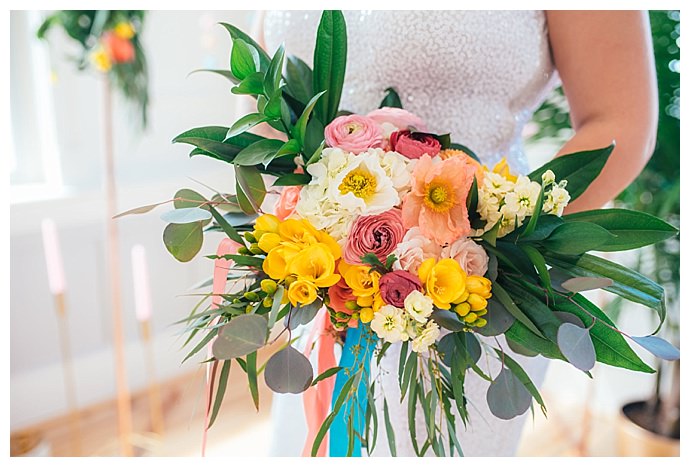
column 566, row 317
column 243, row 335
column 520, row 349
column 288, row 371
column 580, row 284
column 447, row 319
column 183, row 241
column 251, row 189
column 498, row 319
column 658, row 347
column 507, row 397
column 139, row 210
column 186, row 215
column 304, row 314
column 576, row 346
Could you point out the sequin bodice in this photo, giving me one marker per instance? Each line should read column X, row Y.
column 476, row 74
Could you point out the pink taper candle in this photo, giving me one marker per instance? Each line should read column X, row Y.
column 51, row 246
column 142, row 291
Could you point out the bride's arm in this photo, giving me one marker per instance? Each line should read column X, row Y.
column 606, row 63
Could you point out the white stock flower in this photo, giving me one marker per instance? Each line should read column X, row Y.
column 496, row 184
column 548, row 177
column 419, row 306
column 426, row 337
column 390, row 324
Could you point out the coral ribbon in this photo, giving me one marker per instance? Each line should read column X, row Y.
column 220, row 278
column 317, row 399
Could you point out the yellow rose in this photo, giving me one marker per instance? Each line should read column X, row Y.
column 269, row 241
column 316, row 264
column 358, row 278
column 302, row 292
column 277, row 260
column 444, row 280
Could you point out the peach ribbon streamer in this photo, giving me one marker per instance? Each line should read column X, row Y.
column 317, row 399
column 220, row 278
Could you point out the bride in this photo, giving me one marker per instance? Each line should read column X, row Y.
column 480, row 75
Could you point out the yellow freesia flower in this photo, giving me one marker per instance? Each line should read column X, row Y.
column 124, row 30
column 299, row 232
column 479, row 285
column 267, row 223
column 315, row 264
column 444, row 280
column 277, row 261
column 361, row 281
column 269, row 241
column 302, row 292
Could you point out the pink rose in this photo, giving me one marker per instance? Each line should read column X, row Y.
column 399, row 118
column 414, row 249
column 414, row 145
column 354, row 133
column 287, row 202
column 339, row 295
column 379, row 234
column 471, row 257
column 397, row 285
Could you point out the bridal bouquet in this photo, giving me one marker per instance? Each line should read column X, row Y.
column 386, row 233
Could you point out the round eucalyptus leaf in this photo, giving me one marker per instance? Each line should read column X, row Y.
column 474, row 348
column 507, row 396
column 576, row 346
column 580, row 284
column 658, row 346
column 186, row 198
column 446, row 347
column 521, row 349
column 557, row 278
column 288, row 371
column 183, row 241
column 447, row 319
column 301, row 315
column 241, row 336
column 186, row 215
column 498, row 319
column 566, row 317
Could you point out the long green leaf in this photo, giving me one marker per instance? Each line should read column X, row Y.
column 252, row 378
column 225, row 226
column 251, row 189
column 632, row 229
column 330, row 57
column 236, row 33
column 301, row 125
column 576, row 238
column 389, row 429
column 532, row 224
column 539, row 263
column 298, row 77
column 506, row 300
column 318, row 439
column 580, row 169
column 220, row 392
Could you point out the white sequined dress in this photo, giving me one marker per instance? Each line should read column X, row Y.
column 476, row 74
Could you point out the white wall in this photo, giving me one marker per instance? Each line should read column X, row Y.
column 149, row 169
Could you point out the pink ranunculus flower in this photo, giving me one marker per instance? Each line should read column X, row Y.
column 471, row 257
column 286, row 204
column 437, row 201
column 354, row 133
column 399, row 118
column 395, row 286
column 379, row 234
column 414, row 145
column 414, row 249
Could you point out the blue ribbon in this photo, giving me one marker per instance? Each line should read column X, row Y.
column 359, row 347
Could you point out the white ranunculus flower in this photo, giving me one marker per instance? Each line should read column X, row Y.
column 390, row 324
column 426, row 337
column 363, row 187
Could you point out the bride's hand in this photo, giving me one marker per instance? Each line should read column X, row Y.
column 606, row 62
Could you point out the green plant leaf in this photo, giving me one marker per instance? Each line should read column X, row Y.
column 304, row 314
column 576, row 346
column 236, row 33
column 220, row 392
column 473, row 199
column 390, row 433
column 628, row 284
column 292, row 180
column 256, row 153
column 245, row 123
column 391, row 99
column 520, row 334
column 252, row 85
column 447, row 319
column 546, row 224
column 330, row 56
column 212, row 142
column 580, row 169
column 507, row 397
column 632, row 229
column 252, row 378
column 337, row 405
column 498, row 319
column 226, row 226
column 303, row 120
column 521, row 374
column 186, row 215
column 244, row 59
column 139, row 210
column 539, row 263
column 183, row 241
column 243, row 335
column 288, row 372
column 298, row 77
column 534, row 218
column 509, row 305
column 224, row 73
column 576, row 238
column 658, row 347
column 274, row 72
column 251, row 190
column 326, row 374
